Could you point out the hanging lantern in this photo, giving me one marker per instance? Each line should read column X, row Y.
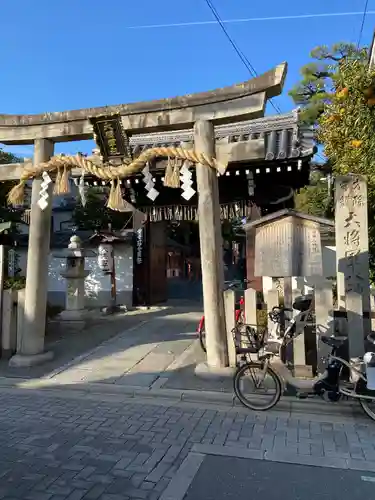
column 105, row 257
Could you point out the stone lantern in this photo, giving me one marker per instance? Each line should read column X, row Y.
column 75, row 275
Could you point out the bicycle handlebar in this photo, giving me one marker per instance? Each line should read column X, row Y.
column 276, row 313
column 273, row 316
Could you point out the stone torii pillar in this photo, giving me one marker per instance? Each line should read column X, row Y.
column 211, row 248
column 31, row 344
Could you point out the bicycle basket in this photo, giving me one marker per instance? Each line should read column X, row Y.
column 249, row 338
column 303, row 302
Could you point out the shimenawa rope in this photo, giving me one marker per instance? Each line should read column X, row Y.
column 64, row 164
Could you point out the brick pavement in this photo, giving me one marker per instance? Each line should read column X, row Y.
column 56, row 448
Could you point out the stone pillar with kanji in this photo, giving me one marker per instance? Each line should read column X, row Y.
column 352, row 256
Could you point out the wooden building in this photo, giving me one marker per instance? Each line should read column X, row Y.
column 280, row 165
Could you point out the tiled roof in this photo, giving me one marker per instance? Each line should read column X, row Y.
column 284, row 135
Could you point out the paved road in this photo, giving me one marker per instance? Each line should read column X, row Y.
column 59, row 447
column 223, row 478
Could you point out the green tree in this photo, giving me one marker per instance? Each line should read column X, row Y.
column 313, row 93
column 10, row 214
column 317, row 86
column 8, row 158
column 7, row 213
column 315, row 199
column 95, row 215
column 337, row 96
column 347, row 130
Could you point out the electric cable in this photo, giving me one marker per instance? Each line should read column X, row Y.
column 362, row 23
column 238, row 51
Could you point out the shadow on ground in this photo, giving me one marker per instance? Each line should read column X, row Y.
column 68, row 345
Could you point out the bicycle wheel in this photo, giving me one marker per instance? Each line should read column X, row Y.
column 265, row 388
column 202, row 338
column 368, row 406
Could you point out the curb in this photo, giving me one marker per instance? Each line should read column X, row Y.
column 285, row 457
column 342, row 410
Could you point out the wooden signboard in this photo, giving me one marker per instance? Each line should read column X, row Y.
column 111, row 138
column 287, row 245
column 150, row 264
column 158, row 263
column 140, row 261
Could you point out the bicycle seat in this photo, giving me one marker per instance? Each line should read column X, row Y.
column 332, row 341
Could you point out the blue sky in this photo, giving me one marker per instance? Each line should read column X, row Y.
column 68, row 54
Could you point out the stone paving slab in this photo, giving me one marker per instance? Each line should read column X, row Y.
column 68, row 345
column 56, row 447
column 158, row 349
column 137, row 356
column 183, row 375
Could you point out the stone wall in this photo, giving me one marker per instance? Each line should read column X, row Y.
column 97, row 285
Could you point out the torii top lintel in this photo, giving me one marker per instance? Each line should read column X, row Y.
column 238, row 102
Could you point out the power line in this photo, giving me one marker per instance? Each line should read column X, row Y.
column 252, row 19
column 363, row 23
column 242, row 56
column 239, row 52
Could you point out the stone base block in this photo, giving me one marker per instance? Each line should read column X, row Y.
column 24, row 361
column 202, row 370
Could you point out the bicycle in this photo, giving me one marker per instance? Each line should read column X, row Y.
column 239, row 314
column 330, row 386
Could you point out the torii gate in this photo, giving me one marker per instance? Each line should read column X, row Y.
column 200, row 111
